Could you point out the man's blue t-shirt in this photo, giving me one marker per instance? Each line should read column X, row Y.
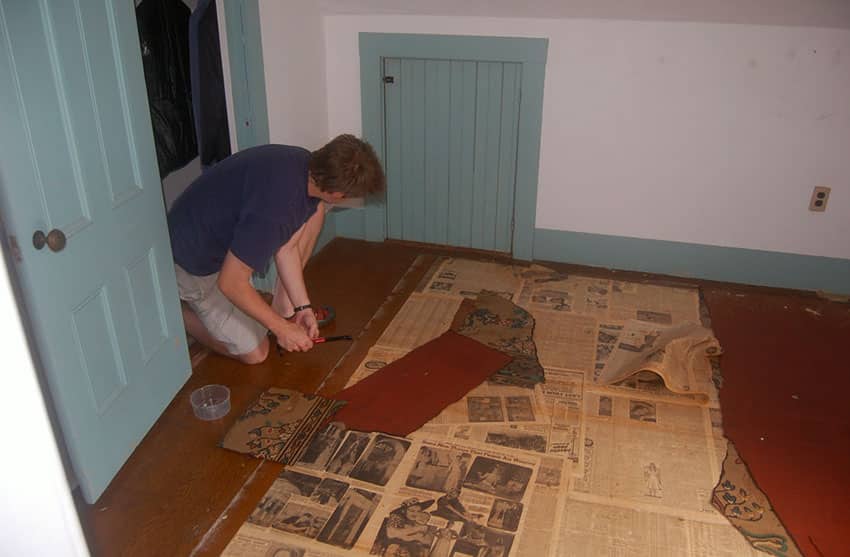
column 251, row 203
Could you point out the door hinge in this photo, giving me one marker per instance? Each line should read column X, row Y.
column 15, row 248
column 389, row 79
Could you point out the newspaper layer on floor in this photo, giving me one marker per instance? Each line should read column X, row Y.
column 402, row 496
column 569, row 467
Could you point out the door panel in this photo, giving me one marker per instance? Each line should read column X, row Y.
column 487, row 106
column 92, row 327
column 413, row 149
column 462, row 161
column 438, row 111
column 149, row 318
column 77, row 155
column 54, row 157
column 508, row 133
column 451, row 129
column 393, row 150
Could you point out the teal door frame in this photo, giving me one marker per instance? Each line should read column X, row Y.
column 248, row 87
column 529, row 52
column 247, row 76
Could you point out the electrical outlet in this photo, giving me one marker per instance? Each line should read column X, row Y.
column 820, row 195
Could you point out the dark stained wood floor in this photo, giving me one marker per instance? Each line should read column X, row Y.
column 168, row 497
column 179, row 494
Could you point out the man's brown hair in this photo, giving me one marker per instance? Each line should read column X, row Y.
column 349, row 165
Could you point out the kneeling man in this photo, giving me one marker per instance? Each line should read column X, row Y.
column 263, row 202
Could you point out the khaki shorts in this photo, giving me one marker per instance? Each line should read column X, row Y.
column 239, row 333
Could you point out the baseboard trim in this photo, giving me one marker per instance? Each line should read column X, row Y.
column 740, row 265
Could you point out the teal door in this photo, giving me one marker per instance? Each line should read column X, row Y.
column 77, row 161
column 451, row 151
column 247, row 78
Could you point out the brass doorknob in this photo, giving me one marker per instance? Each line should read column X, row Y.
column 55, row 240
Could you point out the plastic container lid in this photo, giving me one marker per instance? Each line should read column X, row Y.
column 211, row 402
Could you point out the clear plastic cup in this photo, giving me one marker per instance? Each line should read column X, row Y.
column 211, row 402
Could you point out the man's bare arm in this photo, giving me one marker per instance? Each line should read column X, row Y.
column 234, row 281
column 290, row 273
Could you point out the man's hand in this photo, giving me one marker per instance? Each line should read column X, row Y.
column 234, row 280
column 293, row 338
column 306, row 319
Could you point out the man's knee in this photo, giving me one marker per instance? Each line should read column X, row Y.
column 256, row 356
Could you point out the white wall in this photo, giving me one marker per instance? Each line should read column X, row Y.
column 177, row 181
column 703, row 133
column 294, row 62
column 37, row 516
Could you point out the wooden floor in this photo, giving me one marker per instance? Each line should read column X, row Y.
column 179, row 494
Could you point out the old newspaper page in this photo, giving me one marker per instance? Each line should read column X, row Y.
column 391, row 496
column 573, row 467
column 673, row 353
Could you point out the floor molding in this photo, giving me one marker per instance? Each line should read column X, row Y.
column 699, row 261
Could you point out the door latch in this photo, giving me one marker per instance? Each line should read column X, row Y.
column 389, row 79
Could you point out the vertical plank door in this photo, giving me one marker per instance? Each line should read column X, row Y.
column 451, row 146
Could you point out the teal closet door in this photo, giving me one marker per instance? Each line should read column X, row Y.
column 451, row 148
column 77, row 161
column 247, row 78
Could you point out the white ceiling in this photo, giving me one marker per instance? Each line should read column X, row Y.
column 818, row 13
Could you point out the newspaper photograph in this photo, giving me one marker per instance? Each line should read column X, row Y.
column 491, row 403
column 543, row 420
column 390, row 496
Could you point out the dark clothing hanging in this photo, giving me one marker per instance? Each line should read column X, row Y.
column 209, row 104
column 164, row 34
